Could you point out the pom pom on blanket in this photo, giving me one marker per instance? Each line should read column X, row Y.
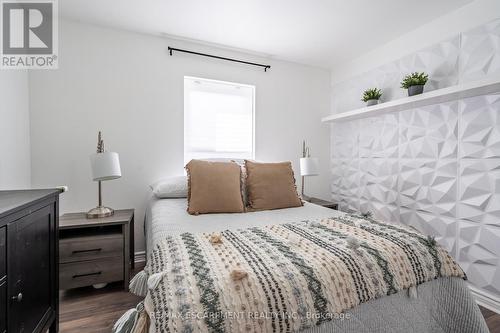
column 431, row 240
column 139, row 284
column 216, row 238
column 292, row 240
column 367, row 215
column 314, row 223
column 353, row 243
column 238, row 274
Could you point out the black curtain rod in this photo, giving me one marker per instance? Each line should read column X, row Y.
column 171, row 49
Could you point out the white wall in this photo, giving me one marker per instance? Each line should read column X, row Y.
column 14, row 130
column 462, row 19
column 127, row 85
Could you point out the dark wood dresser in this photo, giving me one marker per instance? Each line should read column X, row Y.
column 29, row 299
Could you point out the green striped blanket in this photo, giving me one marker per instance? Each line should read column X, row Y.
column 285, row 277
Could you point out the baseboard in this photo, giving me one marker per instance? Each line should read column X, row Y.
column 140, row 257
column 485, row 299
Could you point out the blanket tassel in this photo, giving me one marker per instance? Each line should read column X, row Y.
column 133, row 321
column 139, row 284
column 412, row 292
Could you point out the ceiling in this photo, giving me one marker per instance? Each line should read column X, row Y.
column 321, row 33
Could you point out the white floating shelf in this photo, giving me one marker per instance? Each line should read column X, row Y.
column 443, row 95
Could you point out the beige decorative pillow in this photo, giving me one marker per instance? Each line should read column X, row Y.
column 271, row 186
column 214, row 187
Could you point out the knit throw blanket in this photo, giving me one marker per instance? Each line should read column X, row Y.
column 285, row 278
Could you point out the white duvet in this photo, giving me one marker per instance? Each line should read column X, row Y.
column 169, row 216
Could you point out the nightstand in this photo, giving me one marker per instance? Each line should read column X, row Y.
column 324, row 203
column 95, row 251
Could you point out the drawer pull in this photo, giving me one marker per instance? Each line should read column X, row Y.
column 84, row 251
column 88, row 274
column 18, row 298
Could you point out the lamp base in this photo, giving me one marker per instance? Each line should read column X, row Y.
column 100, row 211
column 302, row 195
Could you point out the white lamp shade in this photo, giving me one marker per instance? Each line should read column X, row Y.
column 309, row 166
column 105, row 166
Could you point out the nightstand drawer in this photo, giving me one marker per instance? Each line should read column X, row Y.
column 90, row 248
column 86, row 273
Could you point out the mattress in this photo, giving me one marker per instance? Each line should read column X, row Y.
column 440, row 305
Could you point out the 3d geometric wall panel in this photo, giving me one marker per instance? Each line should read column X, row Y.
column 442, row 227
column 480, row 52
column 428, row 197
column 344, row 139
column 430, row 132
column 479, row 195
column 378, row 166
column 428, row 171
column 378, row 188
column 429, row 186
column 479, row 253
column 345, row 184
column 436, row 168
column 480, row 127
column 428, row 161
column 479, row 191
column 374, row 145
column 345, row 165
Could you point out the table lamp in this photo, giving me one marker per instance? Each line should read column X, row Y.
column 105, row 166
column 309, row 166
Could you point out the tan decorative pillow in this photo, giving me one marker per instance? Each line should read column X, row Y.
column 214, row 187
column 271, row 186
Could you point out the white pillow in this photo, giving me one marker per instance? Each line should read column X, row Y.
column 172, row 187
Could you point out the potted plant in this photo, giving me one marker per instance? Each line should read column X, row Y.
column 414, row 82
column 371, row 96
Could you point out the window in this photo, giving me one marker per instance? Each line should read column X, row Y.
column 218, row 119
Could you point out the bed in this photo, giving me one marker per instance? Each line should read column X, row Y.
column 441, row 304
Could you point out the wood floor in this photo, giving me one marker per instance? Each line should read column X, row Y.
column 89, row 310
column 492, row 320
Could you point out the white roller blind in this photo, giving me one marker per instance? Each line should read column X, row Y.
column 218, row 119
